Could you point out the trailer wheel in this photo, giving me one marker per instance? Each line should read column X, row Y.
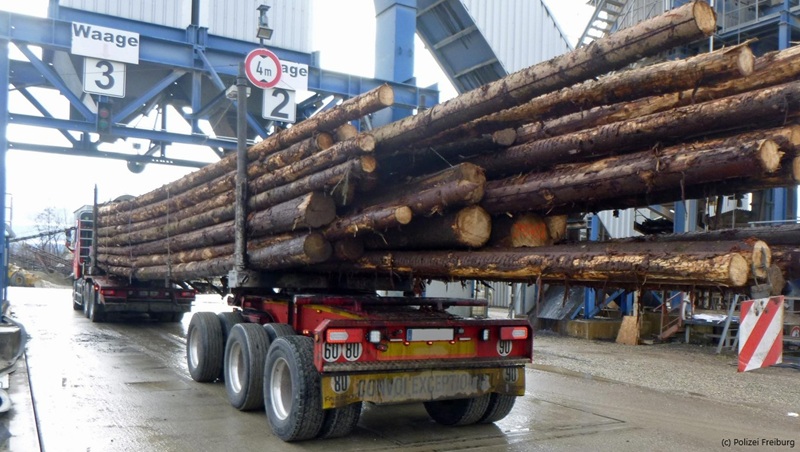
column 96, row 310
column 276, row 330
column 245, row 351
column 228, row 320
column 499, row 407
column 292, row 389
column 459, row 411
column 204, row 347
column 338, row 422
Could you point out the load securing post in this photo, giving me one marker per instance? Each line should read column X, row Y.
column 93, row 268
column 238, row 275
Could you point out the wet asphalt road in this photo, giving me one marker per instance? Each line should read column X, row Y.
column 125, row 387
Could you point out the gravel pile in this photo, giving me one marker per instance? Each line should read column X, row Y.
column 676, row 368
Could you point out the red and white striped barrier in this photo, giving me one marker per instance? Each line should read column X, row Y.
column 761, row 333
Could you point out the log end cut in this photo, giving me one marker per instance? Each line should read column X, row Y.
column 316, row 248
column 762, row 259
column 324, row 140
column 403, row 214
column 473, row 226
column 368, row 164
column 505, row 137
column 738, row 271
column 349, row 249
column 746, row 61
column 365, row 142
column 320, row 210
column 386, row 95
column 704, row 17
column 769, row 155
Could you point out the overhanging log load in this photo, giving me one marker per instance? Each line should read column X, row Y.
column 596, row 263
column 631, row 175
column 351, row 109
column 678, row 26
column 761, row 107
column 660, row 78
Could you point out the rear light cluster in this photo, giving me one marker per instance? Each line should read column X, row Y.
column 186, row 294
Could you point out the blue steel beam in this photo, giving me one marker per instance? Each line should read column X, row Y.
column 3, row 148
column 38, row 105
column 129, row 132
column 122, row 115
column 94, row 152
column 56, row 81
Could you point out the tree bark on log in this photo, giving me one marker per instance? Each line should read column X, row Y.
column 305, row 249
column 678, row 26
column 290, row 155
column 351, row 109
column 432, row 159
column 604, row 264
column 469, row 227
column 344, row 173
column 774, row 236
column 735, row 112
column 338, row 153
column 662, row 78
column 454, row 187
column 375, row 218
column 631, row 174
column 312, row 210
column 771, row 69
column 348, row 249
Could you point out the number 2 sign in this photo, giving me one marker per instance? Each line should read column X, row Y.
column 104, row 77
column 279, row 105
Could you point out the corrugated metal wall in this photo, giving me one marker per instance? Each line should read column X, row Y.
column 172, row 13
column 521, row 32
column 236, row 19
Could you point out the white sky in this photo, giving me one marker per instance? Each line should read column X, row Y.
column 36, row 181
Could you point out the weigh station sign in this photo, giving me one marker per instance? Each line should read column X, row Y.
column 280, row 80
column 106, row 51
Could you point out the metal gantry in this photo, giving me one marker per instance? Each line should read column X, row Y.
column 187, row 69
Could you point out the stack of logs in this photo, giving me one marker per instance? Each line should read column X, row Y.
column 479, row 187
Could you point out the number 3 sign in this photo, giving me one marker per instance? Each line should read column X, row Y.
column 104, row 77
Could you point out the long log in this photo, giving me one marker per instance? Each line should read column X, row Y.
column 787, row 176
column 351, row 109
column 306, row 249
column 662, row 78
column 609, row 265
column 309, row 211
column 111, row 255
column 735, row 112
column 631, row 174
column 676, row 27
column 270, row 177
column 375, row 219
column 338, row 153
column 469, row 227
column 774, row 236
column 458, row 186
column 770, row 69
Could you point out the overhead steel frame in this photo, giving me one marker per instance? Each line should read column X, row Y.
column 190, row 51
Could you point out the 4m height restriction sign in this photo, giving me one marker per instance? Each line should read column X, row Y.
column 263, row 68
column 761, row 333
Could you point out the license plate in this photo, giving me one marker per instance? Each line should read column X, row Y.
column 429, row 334
column 420, row 386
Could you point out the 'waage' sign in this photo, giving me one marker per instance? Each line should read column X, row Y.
column 105, row 43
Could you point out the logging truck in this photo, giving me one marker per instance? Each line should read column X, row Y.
column 98, row 294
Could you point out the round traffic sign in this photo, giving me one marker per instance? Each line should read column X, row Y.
column 263, row 68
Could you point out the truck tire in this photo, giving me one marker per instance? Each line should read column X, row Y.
column 86, row 299
column 96, row 310
column 245, row 351
column 227, row 320
column 499, row 407
column 204, row 347
column 458, row 411
column 276, row 330
column 338, row 422
column 292, row 396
